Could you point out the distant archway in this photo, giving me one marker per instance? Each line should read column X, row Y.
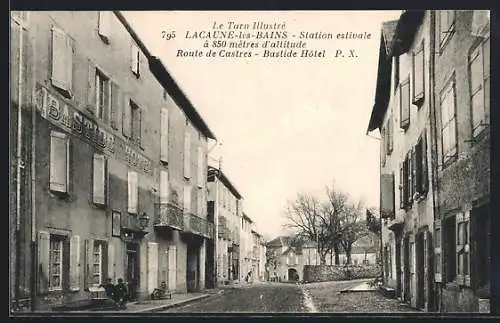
column 293, row 275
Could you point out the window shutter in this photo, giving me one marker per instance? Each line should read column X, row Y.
column 200, row 166
column 164, row 135
column 132, row 192
column 99, row 180
column 404, row 105
column 418, row 166
column 466, row 249
column 172, row 267
column 187, row 153
column 134, row 64
column 459, row 219
column 402, row 186
column 104, row 261
column 104, row 24
column 164, row 189
column 74, row 265
column 111, row 261
column 139, row 127
column 387, row 195
column 152, row 266
column 116, row 103
column 89, row 252
column 91, row 87
column 390, row 135
column 61, row 60
column 127, row 117
column 59, row 162
column 43, row 261
column 413, row 173
column 425, row 173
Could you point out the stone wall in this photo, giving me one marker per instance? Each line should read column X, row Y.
column 318, row 273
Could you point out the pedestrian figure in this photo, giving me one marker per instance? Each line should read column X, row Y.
column 121, row 294
column 109, row 288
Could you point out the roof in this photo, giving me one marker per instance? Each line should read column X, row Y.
column 161, row 73
column 212, row 171
column 247, row 218
column 277, row 242
column 395, row 39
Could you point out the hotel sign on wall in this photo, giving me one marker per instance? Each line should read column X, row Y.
column 54, row 109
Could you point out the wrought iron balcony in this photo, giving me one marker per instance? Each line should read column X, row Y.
column 169, row 215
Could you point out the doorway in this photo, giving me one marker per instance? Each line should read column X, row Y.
column 406, row 266
column 193, row 268
column 293, row 275
column 420, row 250
column 398, row 267
column 132, row 273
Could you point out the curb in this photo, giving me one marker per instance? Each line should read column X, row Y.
column 178, row 303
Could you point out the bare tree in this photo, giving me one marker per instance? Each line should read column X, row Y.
column 353, row 227
column 335, row 208
column 305, row 216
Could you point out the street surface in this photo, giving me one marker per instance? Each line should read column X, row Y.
column 282, row 297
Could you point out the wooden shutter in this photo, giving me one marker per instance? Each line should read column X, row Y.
column 164, row 135
column 59, row 162
column 200, row 165
column 437, row 252
column 104, row 24
column 418, row 166
column 466, row 249
column 164, row 194
column 459, row 242
column 139, row 127
column 172, row 267
column 187, row 154
column 152, row 266
column 132, row 192
column 43, row 261
column 425, row 173
column 62, row 60
column 187, row 198
column 99, row 180
column 111, row 261
column 104, row 261
column 387, row 195
column 390, row 136
column 89, row 253
column 413, row 172
column 91, row 87
column 116, row 105
column 402, row 186
column 127, row 117
column 74, row 264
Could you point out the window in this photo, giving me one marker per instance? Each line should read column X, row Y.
column 187, row 154
column 421, row 165
column 404, row 105
column 99, row 179
column 97, row 263
column 418, row 76
column 103, row 93
column 55, row 262
column 164, row 135
column 133, row 191
column 104, row 25
column 164, row 186
column 201, row 167
column 406, row 182
column 136, row 123
column 187, row 198
column 479, row 74
column 116, row 104
column 463, row 248
column 450, row 248
column 62, row 62
column 134, row 64
column 448, row 122
column 446, row 26
column 59, row 162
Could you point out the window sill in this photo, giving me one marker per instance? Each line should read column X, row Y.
column 66, row 93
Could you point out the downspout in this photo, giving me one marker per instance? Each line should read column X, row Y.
column 20, row 162
column 432, row 117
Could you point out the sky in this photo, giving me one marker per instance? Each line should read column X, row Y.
column 283, row 126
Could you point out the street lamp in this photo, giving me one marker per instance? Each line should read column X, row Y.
column 143, row 220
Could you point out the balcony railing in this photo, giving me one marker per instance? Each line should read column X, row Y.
column 169, row 215
column 196, row 225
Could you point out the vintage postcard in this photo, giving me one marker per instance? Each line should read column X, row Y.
column 253, row 162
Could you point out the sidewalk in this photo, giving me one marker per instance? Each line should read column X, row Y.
column 149, row 306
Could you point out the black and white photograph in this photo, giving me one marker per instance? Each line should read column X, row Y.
column 192, row 162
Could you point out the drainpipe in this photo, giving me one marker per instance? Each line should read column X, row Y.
column 432, row 117
column 20, row 162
